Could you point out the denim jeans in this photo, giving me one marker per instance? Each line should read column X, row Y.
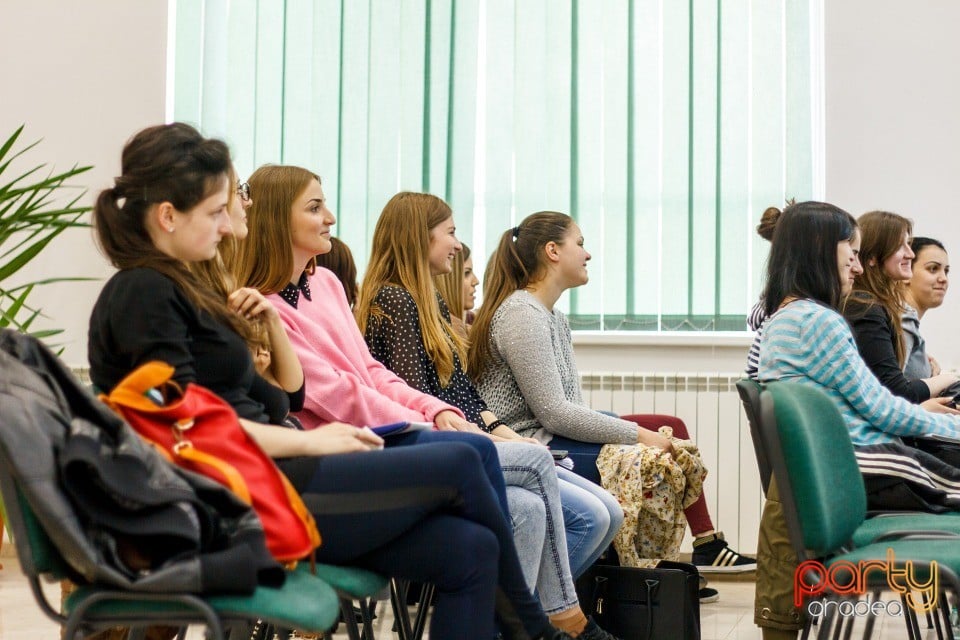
column 533, row 495
column 591, row 516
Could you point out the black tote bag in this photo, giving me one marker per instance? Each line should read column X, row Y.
column 643, row 604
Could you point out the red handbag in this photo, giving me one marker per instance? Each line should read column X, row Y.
column 196, row 429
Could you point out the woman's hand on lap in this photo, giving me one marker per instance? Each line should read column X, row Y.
column 449, row 421
column 338, row 437
column 940, row 405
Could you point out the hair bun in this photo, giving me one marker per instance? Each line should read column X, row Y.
column 768, row 222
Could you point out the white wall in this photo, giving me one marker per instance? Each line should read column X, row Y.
column 83, row 78
column 893, row 130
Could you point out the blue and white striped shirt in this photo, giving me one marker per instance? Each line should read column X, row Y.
column 808, row 343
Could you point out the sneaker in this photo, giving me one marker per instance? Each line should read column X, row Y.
column 593, row 632
column 712, row 554
column 708, row 595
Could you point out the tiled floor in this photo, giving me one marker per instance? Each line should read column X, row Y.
column 729, row 619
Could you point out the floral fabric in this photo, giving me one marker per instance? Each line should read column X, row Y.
column 653, row 489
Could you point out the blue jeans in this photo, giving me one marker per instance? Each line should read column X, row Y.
column 538, row 523
column 591, row 516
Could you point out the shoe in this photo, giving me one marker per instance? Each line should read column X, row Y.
column 708, row 595
column 593, row 632
column 712, row 554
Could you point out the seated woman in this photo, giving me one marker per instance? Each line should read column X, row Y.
column 407, row 327
column 521, row 356
column 168, row 210
column 924, row 291
column 875, row 307
column 262, row 334
column 458, row 290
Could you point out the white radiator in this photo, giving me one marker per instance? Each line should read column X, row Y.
column 711, row 408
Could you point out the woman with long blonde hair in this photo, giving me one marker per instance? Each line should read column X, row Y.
column 407, row 326
column 458, row 290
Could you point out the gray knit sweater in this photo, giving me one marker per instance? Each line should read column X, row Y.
column 532, row 383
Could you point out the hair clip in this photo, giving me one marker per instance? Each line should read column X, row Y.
column 516, row 232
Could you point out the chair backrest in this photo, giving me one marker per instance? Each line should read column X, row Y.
column 814, row 465
column 749, row 391
column 35, row 550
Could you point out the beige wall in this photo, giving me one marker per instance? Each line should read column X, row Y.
column 82, row 77
column 86, row 79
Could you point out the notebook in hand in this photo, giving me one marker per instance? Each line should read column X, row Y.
column 396, row 428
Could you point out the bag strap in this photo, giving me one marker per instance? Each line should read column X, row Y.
column 652, row 585
column 296, row 503
column 130, row 391
column 232, row 477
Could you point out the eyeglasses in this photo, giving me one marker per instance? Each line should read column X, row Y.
column 243, row 191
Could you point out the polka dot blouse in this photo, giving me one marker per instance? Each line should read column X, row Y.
column 395, row 339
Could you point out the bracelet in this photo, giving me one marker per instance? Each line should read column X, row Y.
column 493, row 425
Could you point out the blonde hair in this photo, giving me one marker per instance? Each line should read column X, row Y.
column 518, row 261
column 450, row 285
column 399, row 255
column 265, row 259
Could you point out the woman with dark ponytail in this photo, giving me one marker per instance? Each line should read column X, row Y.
column 169, row 210
column 521, row 356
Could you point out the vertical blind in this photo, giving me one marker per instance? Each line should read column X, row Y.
column 663, row 127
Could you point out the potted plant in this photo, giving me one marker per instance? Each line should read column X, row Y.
column 32, row 214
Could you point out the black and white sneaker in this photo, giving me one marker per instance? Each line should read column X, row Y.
column 707, row 594
column 712, row 554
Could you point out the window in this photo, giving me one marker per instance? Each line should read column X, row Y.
column 665, row 128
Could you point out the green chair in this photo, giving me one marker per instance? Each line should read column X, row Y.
column 354, row 584
column 878, row 524
column 305, row 602
column 824, row 500
column 749, row 391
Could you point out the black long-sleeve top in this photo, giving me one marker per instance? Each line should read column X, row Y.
column 142, row 315
column 876, row 341
column 396, row 341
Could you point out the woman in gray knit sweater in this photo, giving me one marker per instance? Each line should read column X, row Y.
column 521, row 357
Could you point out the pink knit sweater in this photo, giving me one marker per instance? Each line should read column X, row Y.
column 343, row 381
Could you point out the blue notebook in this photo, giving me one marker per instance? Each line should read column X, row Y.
column 396, row 428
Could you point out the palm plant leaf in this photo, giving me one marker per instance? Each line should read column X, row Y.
column 31, row 217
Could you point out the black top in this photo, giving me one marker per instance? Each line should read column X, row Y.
column 142, row 315
column 876, row 340
column 396, row 341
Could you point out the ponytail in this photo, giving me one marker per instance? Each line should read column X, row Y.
column 517, row 262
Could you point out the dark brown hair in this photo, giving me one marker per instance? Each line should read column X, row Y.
column 166, row 163
column 340, row 260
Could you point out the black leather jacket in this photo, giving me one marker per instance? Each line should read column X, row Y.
column 119, row 513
